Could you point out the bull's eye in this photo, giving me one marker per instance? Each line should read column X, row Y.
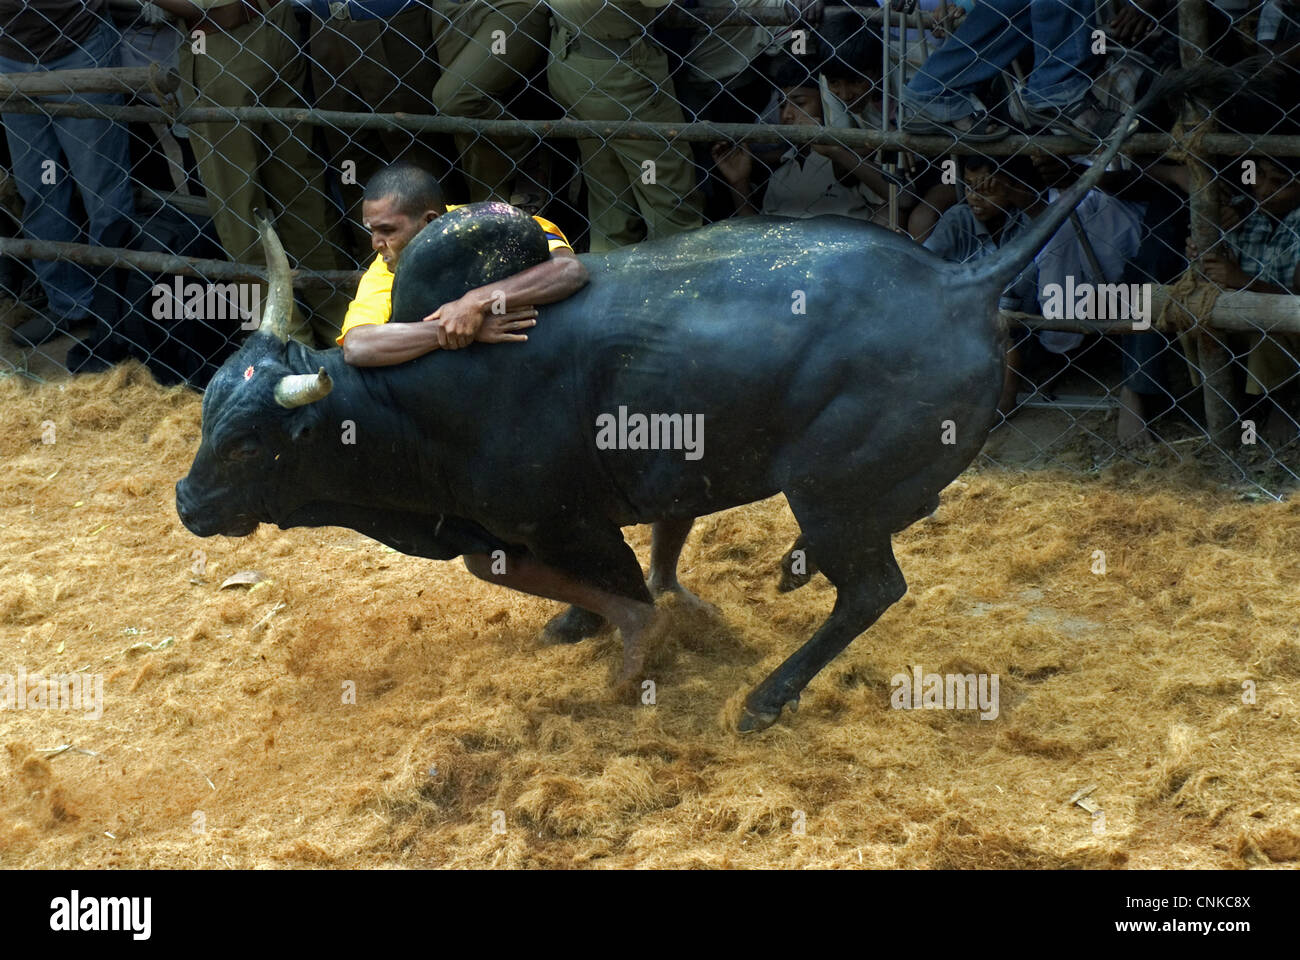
column 245, row 449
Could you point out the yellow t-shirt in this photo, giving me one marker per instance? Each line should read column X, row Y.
column 374, row 300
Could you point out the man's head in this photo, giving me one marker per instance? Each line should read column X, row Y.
column 852, row 66
column 399, row 201
column 801, row 97
column 1276, row 188
column 993, row 189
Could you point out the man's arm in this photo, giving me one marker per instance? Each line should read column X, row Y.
column 456, row 324
column 384, row 344
column 1221, row 267
column 852, row 165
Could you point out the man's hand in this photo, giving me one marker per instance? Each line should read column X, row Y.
column 1136, row 20
column 459, row 321
column 946, row 20
column 1224, row 271
column 505, row 327
column 735, row 163
column 1219, row 267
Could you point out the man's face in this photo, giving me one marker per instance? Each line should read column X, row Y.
column 1275, row 190
column 802, row 105
column 391, row 229
column 987, row 194
column 853, row 91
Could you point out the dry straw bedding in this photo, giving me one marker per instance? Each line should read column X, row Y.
column 1132, row 680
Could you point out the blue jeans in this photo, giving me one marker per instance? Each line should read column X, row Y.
column 96, row 157
column 993, row 34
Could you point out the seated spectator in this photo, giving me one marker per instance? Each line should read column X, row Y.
column 941, row 98
column 399, row 201
column 1145, row 393
column 1262, row 254
column 998, row 205
column 811, row 180
column 55, row 158
column 1092, row 247
column 852, row 68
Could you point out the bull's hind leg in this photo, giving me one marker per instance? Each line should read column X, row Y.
column 855, row 554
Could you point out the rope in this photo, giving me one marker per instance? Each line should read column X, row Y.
column 1190, row 303
column 1191, row 300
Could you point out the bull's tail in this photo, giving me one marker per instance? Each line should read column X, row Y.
column 1004, row 266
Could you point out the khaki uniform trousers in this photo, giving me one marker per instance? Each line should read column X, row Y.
column 628, row 200
column 485, row 49
column 267, row 165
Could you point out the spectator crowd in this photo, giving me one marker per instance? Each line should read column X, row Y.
column 970, row 71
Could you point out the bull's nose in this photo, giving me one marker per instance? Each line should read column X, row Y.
column 182, row 507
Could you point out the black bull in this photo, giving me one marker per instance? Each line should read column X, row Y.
column 832, row 361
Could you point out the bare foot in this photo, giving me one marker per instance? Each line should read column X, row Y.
column 1131, row 428
column 633, row 630
column 685, row 597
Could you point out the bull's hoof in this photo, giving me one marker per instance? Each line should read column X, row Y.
column 751, row 722
column 572, row 625
column 791, row 580
column 754, row 721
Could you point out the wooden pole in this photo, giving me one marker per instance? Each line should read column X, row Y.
column 124, row 80
column 1213, row 359
column 167, row 263
column 1138, row 144
column 1235, row 310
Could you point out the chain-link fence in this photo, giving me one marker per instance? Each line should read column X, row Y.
column 1160, row 324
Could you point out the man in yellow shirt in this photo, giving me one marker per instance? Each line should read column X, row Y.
column 398, row 202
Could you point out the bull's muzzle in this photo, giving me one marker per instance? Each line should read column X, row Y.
column 204, row 522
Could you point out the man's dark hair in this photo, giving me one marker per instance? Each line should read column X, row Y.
column 415, row 188
column 787, row 72
column 852, row 47
column 1018, row 168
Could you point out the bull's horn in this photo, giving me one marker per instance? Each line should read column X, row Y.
column 279, row 297
column 300, row 389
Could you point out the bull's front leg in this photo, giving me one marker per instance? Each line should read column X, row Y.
column 634, row 618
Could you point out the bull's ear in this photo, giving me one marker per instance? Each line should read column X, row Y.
column 304, row 424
